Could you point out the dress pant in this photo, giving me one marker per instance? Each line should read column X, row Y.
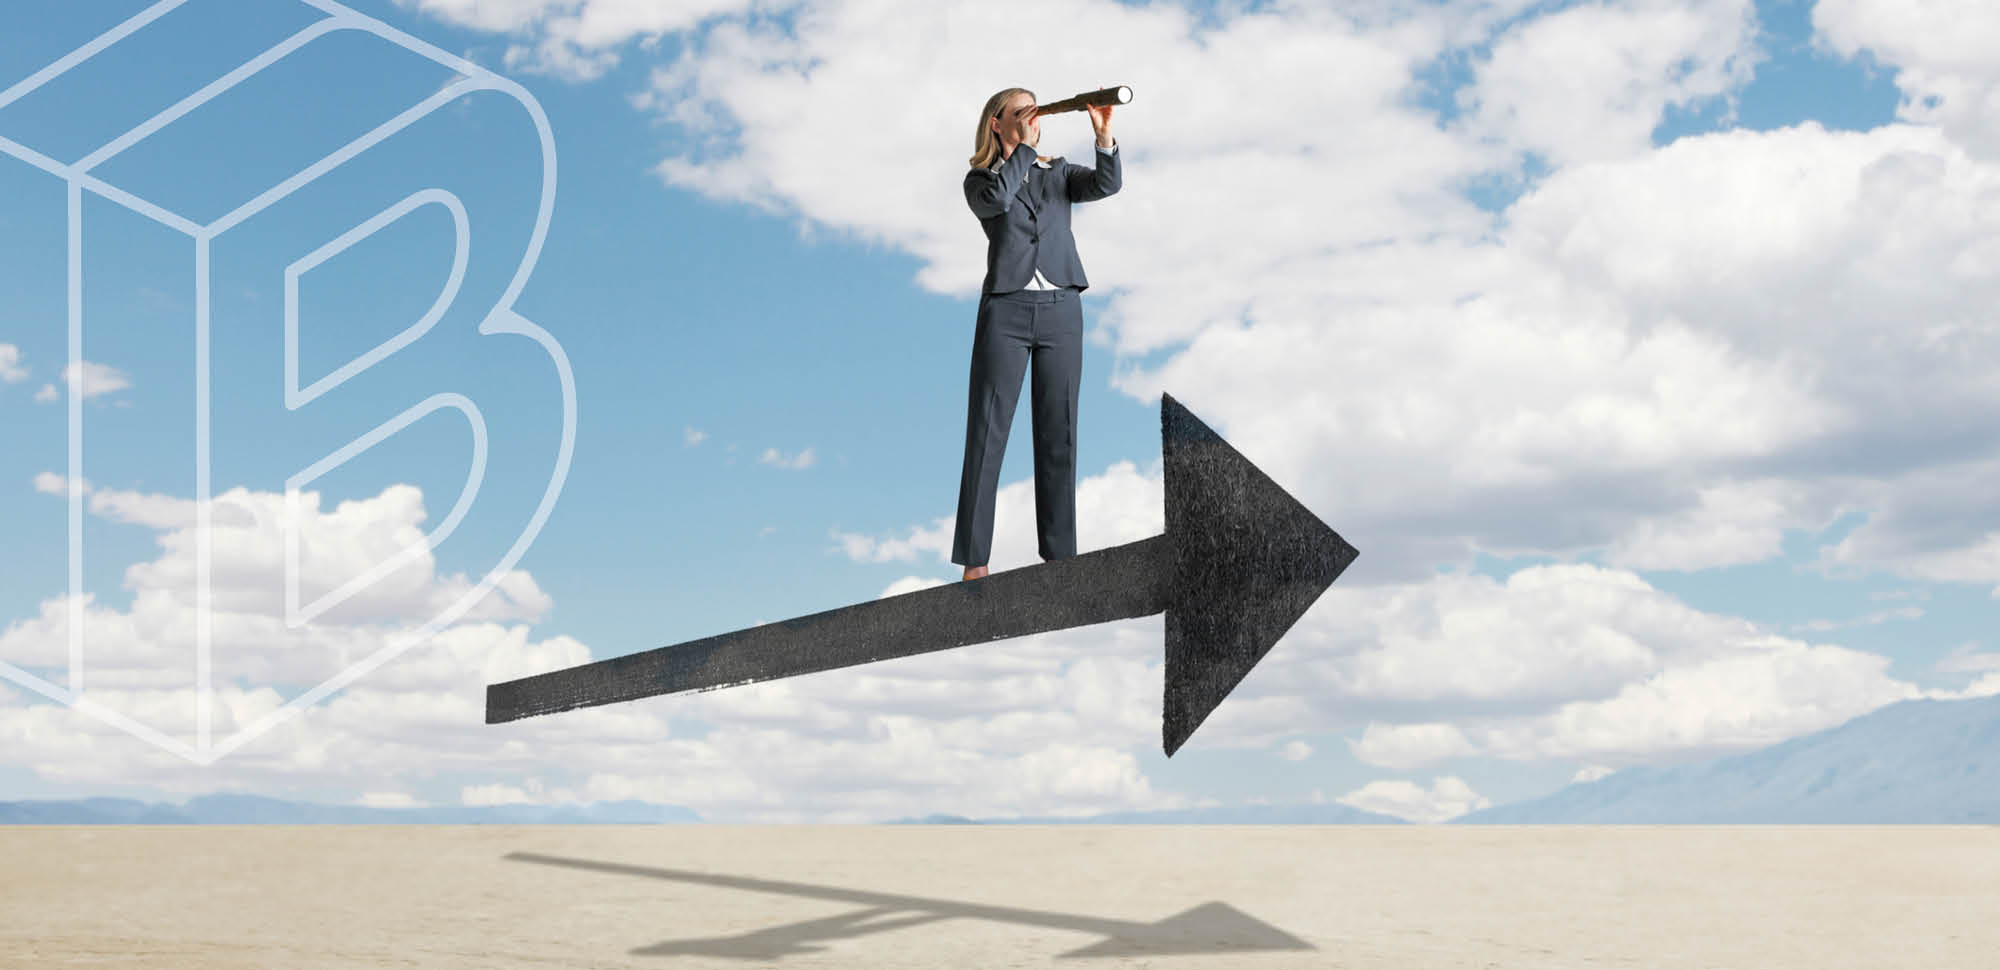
column 1043, row 328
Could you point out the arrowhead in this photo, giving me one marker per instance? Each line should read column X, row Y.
column 1207, row 929
column 1248, row 561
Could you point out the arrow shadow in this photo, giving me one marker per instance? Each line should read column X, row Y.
column 1212, row 927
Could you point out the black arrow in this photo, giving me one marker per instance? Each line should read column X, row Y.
column 1241, row 560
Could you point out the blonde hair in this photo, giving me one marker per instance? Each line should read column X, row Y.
column 986, row 144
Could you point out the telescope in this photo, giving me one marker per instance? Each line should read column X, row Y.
column 1119, row 94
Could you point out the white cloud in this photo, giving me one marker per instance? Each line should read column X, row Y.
column 1732, row 703
column 1967, row 657
column 495, row 794
column 11, row 369
column 389, row 799
column 247, row 537
column 1590, row 773
column 910, row 584
column 1986, row 686
column 773, row 456
column 1724, row 705
column 493, row 15
column 692, row 437
column 150, row 510
column 1296, row 751
column 559, row 58
column 1406, row 746
column 417, row 715
column 1447, row 798
column 1867, row 619
column 574, row 39
column 1118, row 506
column 934, row 539
column 1943, row 53
column 1040, row 725
column 47, row 393
column 151, row 642
column 88, row 379
column 1573, row 662
column 50, row 483
column 1546, row 635
column 1590, row 82
column 1940, row 524
column 1729, row 523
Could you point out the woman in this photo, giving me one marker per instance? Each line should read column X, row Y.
column 1030, row 312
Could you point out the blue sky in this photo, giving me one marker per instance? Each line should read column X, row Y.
column 1643, row 348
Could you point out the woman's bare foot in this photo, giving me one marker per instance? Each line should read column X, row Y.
column 975, row 572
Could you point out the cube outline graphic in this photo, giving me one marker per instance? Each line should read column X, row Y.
column 502, row 318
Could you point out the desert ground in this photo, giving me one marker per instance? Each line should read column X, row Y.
column 1679, row 897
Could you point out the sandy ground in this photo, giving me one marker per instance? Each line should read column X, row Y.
column 1753, row 897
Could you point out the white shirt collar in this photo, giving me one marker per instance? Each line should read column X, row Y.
column 1038, row 163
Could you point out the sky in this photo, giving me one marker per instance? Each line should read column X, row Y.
column 1644, row 348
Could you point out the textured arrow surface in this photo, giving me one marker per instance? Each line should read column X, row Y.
column 1240, row 562
column 1097, row 587
column 1248, row 561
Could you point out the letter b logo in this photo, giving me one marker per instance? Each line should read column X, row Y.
column 308, row 258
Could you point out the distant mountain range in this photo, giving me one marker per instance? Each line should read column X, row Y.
column 231, row 809
column 1913, row 762
column 1218, row 815
column 1920, row 761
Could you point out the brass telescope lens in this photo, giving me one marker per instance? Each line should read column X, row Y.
column 1117, row 94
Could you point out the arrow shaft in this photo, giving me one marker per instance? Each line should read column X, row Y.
column 1118, row 583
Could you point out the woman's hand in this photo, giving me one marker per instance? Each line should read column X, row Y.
column 1100, row 122
column 1028, row 130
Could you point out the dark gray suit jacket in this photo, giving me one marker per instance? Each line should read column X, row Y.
column 1027, row 222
